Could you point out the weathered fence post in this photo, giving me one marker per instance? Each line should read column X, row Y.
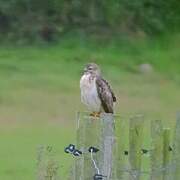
column 166, row 153
column 88, row 130
column 121, row 142
column 157, row 150
column 135, row 143
column 99, row 133
column 107, row 145
column 176, row 149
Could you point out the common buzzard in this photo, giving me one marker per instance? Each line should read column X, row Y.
column 96, row 93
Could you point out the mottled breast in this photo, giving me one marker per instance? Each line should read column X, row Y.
column 89, row 94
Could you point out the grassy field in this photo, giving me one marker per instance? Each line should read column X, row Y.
column 39, row 94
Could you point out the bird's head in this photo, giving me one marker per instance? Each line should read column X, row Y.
column 92, row 68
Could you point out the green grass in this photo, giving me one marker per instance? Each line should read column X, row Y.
column 39, row 94
column 19, row 147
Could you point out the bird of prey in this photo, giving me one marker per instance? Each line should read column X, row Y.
column 96, row 93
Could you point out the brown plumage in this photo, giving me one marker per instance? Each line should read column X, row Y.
column 106, row 95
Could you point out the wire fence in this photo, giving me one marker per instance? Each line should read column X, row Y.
column 128, row 159
column 169, row 169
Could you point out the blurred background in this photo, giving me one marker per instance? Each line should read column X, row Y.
column 44, row 45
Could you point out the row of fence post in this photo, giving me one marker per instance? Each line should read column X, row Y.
column 116, row 160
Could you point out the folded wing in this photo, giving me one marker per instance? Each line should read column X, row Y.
column 105, row 94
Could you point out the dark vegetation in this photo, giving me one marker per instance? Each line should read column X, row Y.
column 50, row 19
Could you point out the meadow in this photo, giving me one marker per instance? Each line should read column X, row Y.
column 39, row 95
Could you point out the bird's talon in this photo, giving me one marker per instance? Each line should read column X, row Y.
column 95, row 114
column 92, row 114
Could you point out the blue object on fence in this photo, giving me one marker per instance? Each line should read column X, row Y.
column 93, row 149
column 70, row 148
column 98, row 177
column 77, row 152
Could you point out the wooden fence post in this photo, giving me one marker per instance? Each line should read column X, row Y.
column 107, row 142
column 135, row 143
column 121, row 142
column 176, row 149
column 157, row 150
column 99, row 133
column 166, row 153
column 88, row 131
